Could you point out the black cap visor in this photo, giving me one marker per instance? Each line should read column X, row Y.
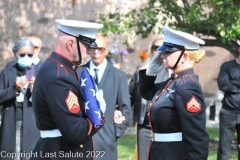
column 87, row 40
column 167, row 49
column 93, row 45
column 170, row 47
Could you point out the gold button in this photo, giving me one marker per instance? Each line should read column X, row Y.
column 150, row 104
column 81, row 146
column 61, row 65
column 73, row 67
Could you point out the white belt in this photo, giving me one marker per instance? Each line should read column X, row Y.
column 50, row 133
column 166, row 137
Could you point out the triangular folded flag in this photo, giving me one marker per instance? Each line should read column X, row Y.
column 92, row 106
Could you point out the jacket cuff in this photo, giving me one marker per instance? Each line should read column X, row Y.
column 90, row 127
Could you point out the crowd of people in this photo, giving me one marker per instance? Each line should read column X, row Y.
column 63, row 108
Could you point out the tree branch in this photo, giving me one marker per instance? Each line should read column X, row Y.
column 231, row 46
column 185, row 3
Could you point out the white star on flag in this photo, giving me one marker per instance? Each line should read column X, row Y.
column 83, row 82
column 92, row 103
column 86, row 106
column 94, row 93
column 99, row 116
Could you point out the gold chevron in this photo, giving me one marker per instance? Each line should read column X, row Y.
column 72, row 100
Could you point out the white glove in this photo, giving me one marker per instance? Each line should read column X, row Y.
column 155, row 65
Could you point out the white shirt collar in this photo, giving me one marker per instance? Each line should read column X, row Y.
column 101, row 68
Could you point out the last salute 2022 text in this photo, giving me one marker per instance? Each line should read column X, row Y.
column 60, row 154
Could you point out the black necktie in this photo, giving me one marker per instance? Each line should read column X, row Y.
column 96, row 75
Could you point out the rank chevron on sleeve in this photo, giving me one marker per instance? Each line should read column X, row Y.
column 72, row 102
column 193, row 105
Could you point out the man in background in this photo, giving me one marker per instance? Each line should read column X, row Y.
column 114, row 84
column 229, row 83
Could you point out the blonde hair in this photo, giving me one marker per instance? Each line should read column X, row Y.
column 156, row 38
column 196, row 55
column 149, row 50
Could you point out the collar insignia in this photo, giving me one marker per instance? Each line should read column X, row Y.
column 174, row 75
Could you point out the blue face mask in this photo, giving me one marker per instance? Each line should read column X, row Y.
column 25, row 61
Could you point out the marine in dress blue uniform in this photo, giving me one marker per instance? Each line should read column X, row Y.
column 177, row 113
column 66, row 131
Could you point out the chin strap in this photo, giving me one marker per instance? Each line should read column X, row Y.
column 178, row 59
column 79, row 51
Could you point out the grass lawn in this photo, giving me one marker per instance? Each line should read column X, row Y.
column 126, row 146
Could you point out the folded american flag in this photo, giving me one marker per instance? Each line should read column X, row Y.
column 92, row 106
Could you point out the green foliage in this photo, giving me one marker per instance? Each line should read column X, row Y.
column 213, row 133
column 212, row 155
column 126, row 146
column 208, row 17
column 226, row 16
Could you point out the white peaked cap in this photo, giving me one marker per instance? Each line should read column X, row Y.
column 181, row 38
column 73, row 27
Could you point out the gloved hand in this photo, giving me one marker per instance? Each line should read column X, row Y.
column 155, row 65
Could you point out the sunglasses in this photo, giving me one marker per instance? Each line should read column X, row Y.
column 30, row 55
column 154, row 47
column 99, row 49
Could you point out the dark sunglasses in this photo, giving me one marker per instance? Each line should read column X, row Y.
column 99, row 49
column 154, row 47
column 25, row 54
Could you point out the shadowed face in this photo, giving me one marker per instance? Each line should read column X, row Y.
column 84, row 49
column 98, row 55
column 169, row 58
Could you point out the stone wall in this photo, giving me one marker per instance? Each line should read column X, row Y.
column 19, row 18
